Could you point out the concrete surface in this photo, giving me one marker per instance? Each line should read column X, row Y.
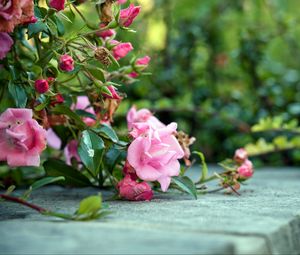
column 265, row 219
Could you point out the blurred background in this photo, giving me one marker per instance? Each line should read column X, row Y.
column 218, row 66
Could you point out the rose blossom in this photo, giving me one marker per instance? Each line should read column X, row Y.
column 120, row 50
column 106, row 33
column 246, row 169
column 15, row 12
column 135, row 119
column 59, row 5
column 154, row 155
column 41, row 86
column 71, row 151
column 240, row 155
column 83, row 103
column 66, row 63
column 22, row 139
column 114, row 94
column 128, row 15
column 5, row 44
column 52, row 139
column 134, row 191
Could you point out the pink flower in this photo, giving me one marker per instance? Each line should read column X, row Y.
column 83, row 103
column 143, row 61
column 32, row 20
column 128, row 15
column 41, row 86
column 120, row 50
column 121, row 1
column 66, row 63
column 5, row 44
column 133, row 75
column 52, row 139
column 134, row 191
column 22, row 139
column 141, row 120
column 106, row 33
column 240, row 155
column 58, row 99
column 246, row 169
column 154, row 155
column 15, row 12
column 114, row 94
column 59, row 5
column 71, row 151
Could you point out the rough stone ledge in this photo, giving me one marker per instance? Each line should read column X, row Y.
column 264, row 220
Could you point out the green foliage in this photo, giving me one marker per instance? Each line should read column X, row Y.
column 185, row 184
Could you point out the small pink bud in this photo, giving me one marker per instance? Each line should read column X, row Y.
column 246, row 169
column 240, row 155
column 106, row 33
column 120, row 50
column 143, row 61
column 128, row 15
column 41, row 86
column 51, row 79
column 121, row 1
column 32, row 20
column 133, row 75
column 58, row 5
column 66, row 63
column 114, row 94
column 132, row 190
column 59, row 99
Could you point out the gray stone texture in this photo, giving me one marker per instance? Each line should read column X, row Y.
column 265, row 219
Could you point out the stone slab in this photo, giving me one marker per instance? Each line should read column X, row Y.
column 265, row 219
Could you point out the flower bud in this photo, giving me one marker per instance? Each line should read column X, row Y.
column 120, row 50
column 240, row 155
column 134, row 191
column 58, row 99
column 58, row 5
column 113, row 92
column 121, row 1
column 66, row 63
column 245, row 171
column 41, row 86
column 128, row 15
column 106, row 33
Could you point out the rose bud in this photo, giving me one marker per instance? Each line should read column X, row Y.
column 121, row 1
column 106, row 33
column 58, row 5
column 59, row 99
column 41, row 86
column 120, row 50
column 245, row 171
column 134, row 191
column 240, row 155
column 128, row 15
column 140, row 65
column 32, row 20
column 114, row 94
column 66, row 63
column 51, row 79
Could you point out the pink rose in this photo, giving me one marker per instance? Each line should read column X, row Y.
column 66, row 63
column 154, row 155
column 128, row 15
column 59, row 5
column 240, row 155
column 120, row 50
column 22, row 139
column 134, row 191
column 106, row 33
column 5, row 44
column 52, row 139
column 114, row 94
column 246, row 169
column 41, row 86
column 83, row 103
column 136, row 118
column 71, row 151
column 140, row 65
column 15, row 12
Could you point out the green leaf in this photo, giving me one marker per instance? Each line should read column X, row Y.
column 107, row 131
column 203, row 164
column 45, row 181
column 83, row 113
column 73, row 177
column 61, row 109
column 90, row 205
column 186, row 184
column 36, row 28
column 91, row 149
column 60, row 26
column 113, row 157
column 96, row 72
column 18, row 94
